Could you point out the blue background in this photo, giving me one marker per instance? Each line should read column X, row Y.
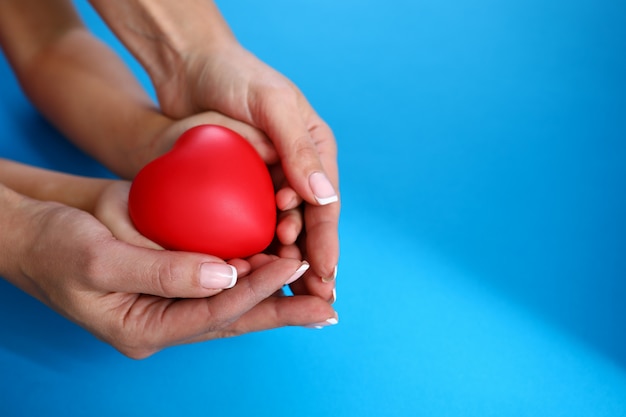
column 483, row 269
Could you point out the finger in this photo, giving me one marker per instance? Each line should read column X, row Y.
column 312, row 284
column 115, row 216
column 289, row 226
column 131, row 269
column 298, row 150
column 187, row 319
column 322, row 222
column 261, row 259
column 279, row 311
column 322, row 239
column 261, row 143
column 287, row 199
column 124, row 230
column 241, row 265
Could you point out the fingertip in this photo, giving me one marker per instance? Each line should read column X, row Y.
column 331, row 277
column 214, row 275
column 260, row 259
column 242, row 266
column 323, row 190
column 298, row 273
column 312, row 284
column 289, row 227
column 287, row 199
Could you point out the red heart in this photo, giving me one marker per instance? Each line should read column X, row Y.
column 211, row 193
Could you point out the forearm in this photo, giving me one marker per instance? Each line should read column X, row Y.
column 28, row 26
column 80, row 84
column 45, row 185
column 161, row 33
column 87, row 92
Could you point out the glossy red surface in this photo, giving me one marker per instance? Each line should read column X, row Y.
column 212, row 193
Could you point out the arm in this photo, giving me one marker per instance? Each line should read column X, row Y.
column 162, row 33
column 88, row 93
column 45, row 185
column 127, row 295
column 66, row 72
column 196, row 64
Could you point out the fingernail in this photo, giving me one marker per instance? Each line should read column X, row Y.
column 322, row 189
column 215, row 275
column 299, row 272
column 329, row 322
column 333, row 297
column 332, row 277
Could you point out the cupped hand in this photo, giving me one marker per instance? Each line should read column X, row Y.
column 291, row 240
column 228, row 79
column 111, row 209
column 142, row 300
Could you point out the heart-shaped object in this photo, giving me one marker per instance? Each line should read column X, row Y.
column 211, row 193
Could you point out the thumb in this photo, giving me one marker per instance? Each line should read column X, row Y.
column 300, row 150
column 131, row 269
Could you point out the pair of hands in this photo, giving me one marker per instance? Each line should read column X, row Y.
column 276, row 118
column 129, row 292
column 129, row 295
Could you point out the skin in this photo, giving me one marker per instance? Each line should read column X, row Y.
column 196, row 64
column 129, row 296
column 67, row 240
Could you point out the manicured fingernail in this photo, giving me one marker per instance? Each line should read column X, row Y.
column 299, row 272
column 217, row 276
column 332, row 277
column 329, row 322
column 322, row 189
column 333, row 297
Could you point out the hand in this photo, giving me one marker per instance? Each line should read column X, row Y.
column 199, row 66
column 232, row 81
column 130, row 296
column 111, row 209
column 164, row 141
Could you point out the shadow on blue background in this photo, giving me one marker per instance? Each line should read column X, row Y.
column 482, row 151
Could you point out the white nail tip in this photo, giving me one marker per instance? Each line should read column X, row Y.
column 328, row 322
column 234, row 279
column 327, row 200
column 299, row 272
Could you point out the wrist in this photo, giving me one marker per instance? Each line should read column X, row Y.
column 162, row 34
column 46, row 185
column 17, row 220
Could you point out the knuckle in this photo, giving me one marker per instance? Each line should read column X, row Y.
column 166, row 278
column 303, row 150
column 94, row 267
column 275, row 98
column 280, row 93
column 219, row 322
